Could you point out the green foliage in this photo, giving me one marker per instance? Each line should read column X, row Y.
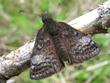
column 17, row 28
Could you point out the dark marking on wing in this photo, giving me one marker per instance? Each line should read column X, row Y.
column 44, row 59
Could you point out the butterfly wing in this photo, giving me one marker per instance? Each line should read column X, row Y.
column 44, row 59
column 79, row 46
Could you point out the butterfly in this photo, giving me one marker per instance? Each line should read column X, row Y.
column 56, row 43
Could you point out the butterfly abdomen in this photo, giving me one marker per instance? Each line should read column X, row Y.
column 60, row 48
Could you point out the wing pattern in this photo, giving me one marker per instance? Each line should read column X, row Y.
column 79, row 46
column 44, row 59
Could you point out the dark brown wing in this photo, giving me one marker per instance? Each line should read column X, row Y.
column 79, row 46
column 44, row 59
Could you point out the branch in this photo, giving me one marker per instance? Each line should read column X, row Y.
column 96, row 21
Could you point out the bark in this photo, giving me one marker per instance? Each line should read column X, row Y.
column 96, row 21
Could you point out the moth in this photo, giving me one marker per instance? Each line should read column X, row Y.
column 56, row 43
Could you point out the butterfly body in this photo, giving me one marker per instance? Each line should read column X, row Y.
column 57, row 42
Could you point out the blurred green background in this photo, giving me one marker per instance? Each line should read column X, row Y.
column 18, row 28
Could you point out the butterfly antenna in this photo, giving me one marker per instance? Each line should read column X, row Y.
column 23, row 11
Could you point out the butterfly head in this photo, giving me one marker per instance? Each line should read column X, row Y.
column 49, row 23
column 46, row 18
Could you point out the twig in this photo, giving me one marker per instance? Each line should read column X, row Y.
column 91, row 68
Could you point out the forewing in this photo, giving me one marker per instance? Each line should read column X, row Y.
column 44, row 59
column 80, row 47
